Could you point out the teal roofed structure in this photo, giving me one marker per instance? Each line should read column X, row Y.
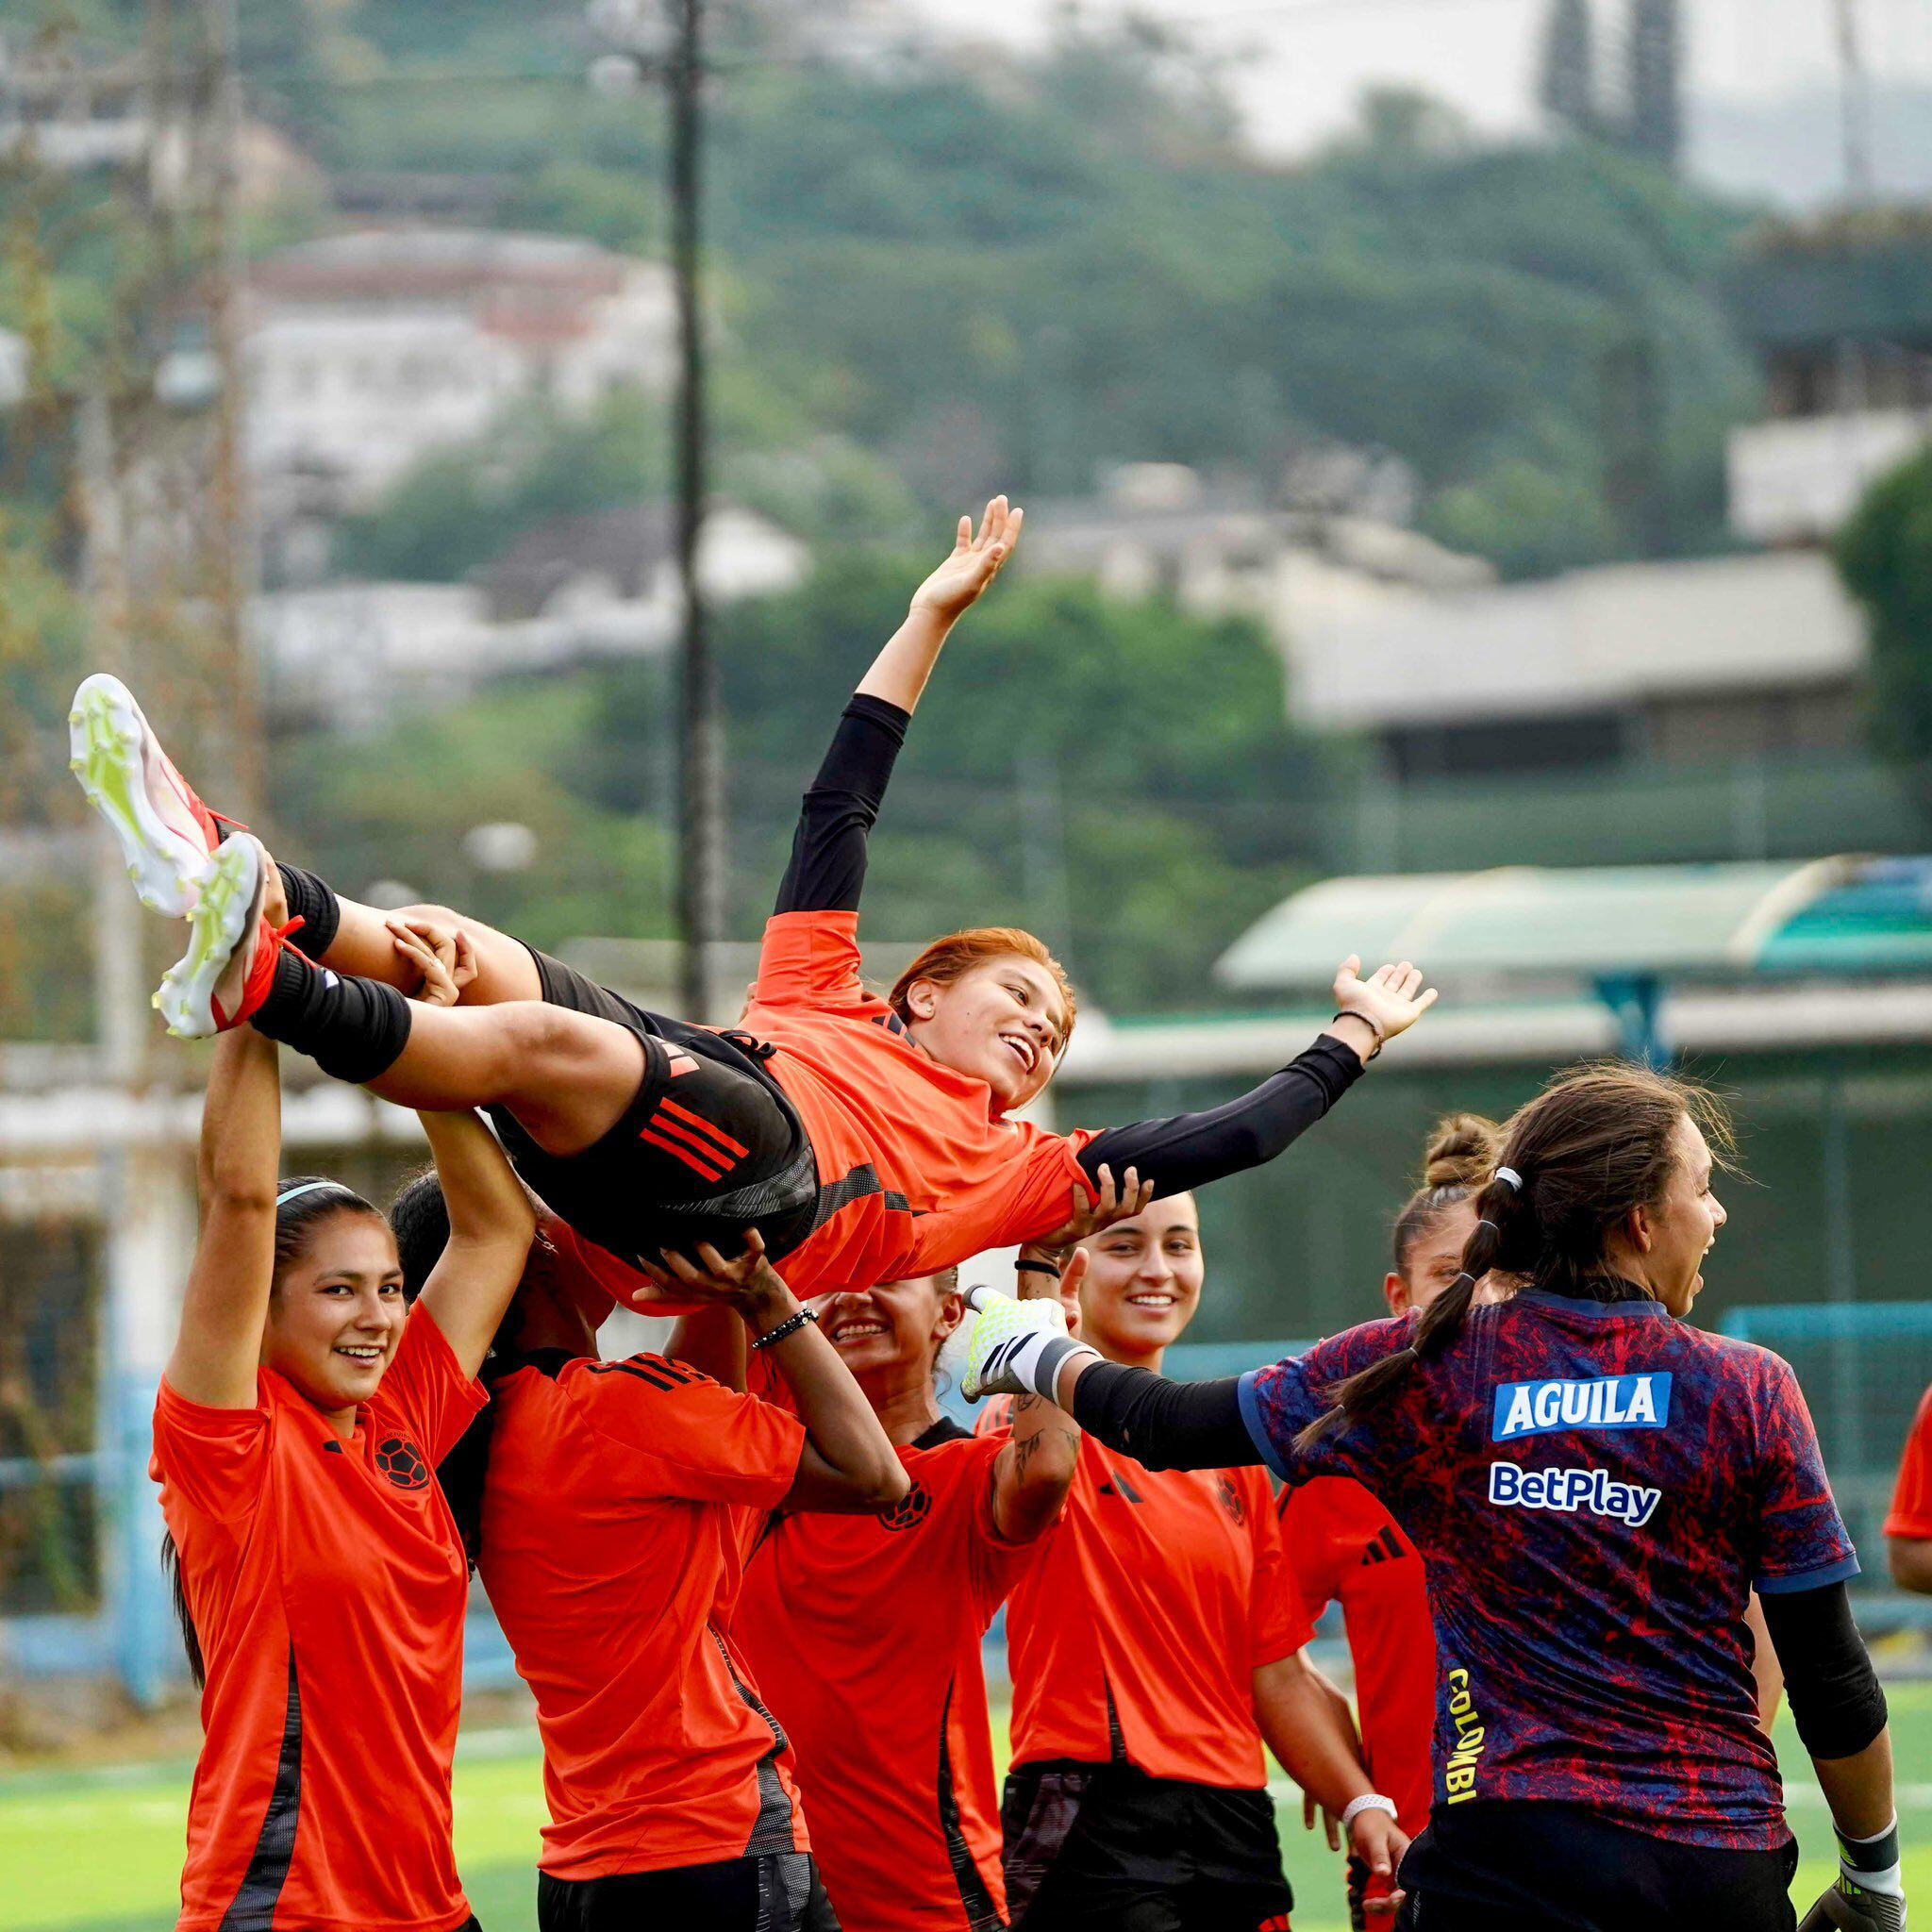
column 1626, row 931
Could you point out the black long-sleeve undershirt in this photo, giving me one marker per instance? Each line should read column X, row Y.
column 1164, row 1424
column 826, row 874
column 1837, row 1702
column 1188, row 1150
column 826, row 871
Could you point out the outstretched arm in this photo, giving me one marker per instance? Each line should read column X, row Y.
column 826, row 871
column 1188, row 1150
column 1023, row 1348
column 899, row 672
column 225, row 1304
column 490, row 1225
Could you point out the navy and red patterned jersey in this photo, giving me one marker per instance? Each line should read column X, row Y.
column 1594, row 1488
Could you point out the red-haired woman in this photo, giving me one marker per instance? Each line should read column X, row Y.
column 1595, row 1485
column 319, row 1577
column 869, row 1139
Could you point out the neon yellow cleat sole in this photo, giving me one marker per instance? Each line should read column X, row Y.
column 128, row 779
column 227, row 912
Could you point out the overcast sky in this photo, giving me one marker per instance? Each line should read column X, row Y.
column 1306, row 61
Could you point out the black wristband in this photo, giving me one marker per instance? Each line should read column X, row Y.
column 1037, row 1268
column 1878, row 1853
column 786, row 1328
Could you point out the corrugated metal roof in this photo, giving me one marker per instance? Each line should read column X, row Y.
column 1842, row 915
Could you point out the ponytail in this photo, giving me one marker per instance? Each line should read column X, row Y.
column 177, row 1589
column 1574, row 1164
column 1437, row 1328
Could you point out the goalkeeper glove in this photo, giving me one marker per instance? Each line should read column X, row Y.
column 1870, row 1895
column 1016, row 1348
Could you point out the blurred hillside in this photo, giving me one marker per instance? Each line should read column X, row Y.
column 1420, row 361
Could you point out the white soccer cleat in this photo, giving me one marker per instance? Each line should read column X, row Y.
column 206, row 990
column 167, row 837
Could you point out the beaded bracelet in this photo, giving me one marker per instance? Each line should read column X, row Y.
column 787, row 1328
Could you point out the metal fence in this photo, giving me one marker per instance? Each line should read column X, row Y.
column 1864, row 1367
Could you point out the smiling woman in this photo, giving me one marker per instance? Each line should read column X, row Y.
column 864, row 1633
column 317, row 1571
column 1157, row 1647
column 867, row 1138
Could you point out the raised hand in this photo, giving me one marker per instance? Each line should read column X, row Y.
column 1389, row 1001
column 958, row 584
column 1064, row 1289
column 1016, row 1348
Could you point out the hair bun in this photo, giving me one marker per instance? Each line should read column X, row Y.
column 1462, row 1152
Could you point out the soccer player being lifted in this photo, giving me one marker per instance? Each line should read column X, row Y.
column 867, row 1138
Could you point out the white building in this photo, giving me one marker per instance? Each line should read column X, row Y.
column 1710, row 658
column 367, row 351
column 1839, row 311
column 1385, row 632
column 598, row 586
column 70, row 113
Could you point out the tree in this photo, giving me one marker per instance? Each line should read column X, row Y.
column 1655, row 51
column 1885, row 557
column 1567, row 84
column 1066, row 730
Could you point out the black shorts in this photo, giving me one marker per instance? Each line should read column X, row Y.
column 780, row 1891
column 1106, row 1846
column 1492, row 1866
column 710, row 1147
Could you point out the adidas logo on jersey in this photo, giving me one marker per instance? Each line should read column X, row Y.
column 1604, row 1402
column 1384, row 1548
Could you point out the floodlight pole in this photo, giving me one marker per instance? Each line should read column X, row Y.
column 701, row 828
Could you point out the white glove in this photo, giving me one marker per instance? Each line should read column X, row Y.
column 1016, row 1348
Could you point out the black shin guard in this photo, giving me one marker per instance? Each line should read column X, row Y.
column 313, row 902
column 353, row 1029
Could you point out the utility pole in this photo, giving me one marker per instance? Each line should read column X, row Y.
column 231, row 546
column 701, row 841
column 1855, row 104
column 671, row 43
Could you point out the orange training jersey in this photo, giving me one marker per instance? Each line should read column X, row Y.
column 1343, row 1547
column 1911, row 1501
column 917, row 1169
column 864, row 1632
column 617, row 1512
column 327, row 1587
column 1136, row 1634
